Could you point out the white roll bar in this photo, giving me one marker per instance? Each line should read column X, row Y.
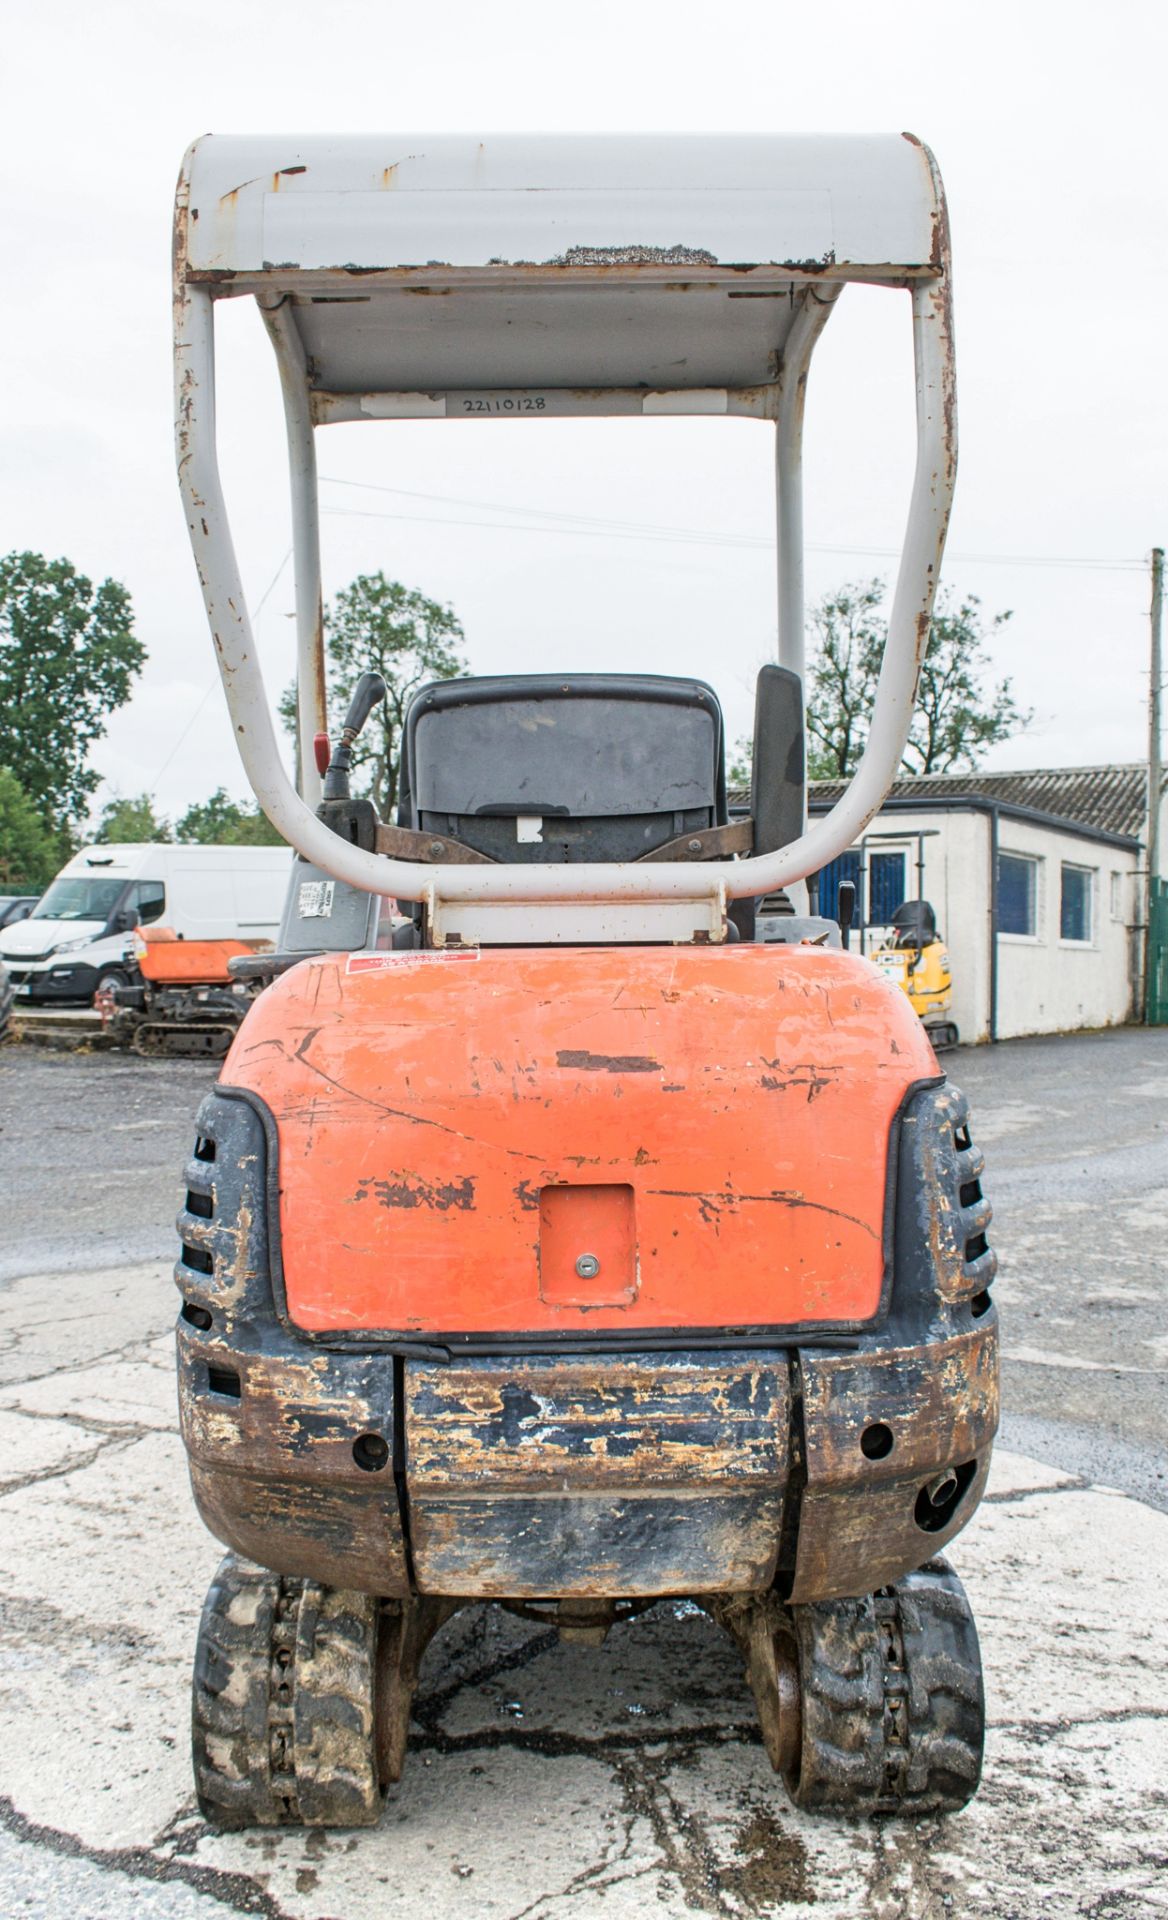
column 811, row 287
column 311, row 685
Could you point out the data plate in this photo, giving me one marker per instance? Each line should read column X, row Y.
column 541, row 403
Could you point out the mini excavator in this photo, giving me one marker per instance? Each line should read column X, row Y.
column 916, row 958
column 603, row 1231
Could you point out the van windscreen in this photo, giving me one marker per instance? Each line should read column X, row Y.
column 79, row 900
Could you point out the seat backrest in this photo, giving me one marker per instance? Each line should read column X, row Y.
column 556, row 767
column 915, row 924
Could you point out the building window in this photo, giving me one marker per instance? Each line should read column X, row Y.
column 1075, row 910
column 1018, row 894
column 885, row 887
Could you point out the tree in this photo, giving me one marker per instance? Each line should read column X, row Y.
column 223, row 822
column 68, row 656
column 959, row 713
column 847, row 639
column 739, row 764
column 30, row 853
column 130, row 821
column 377, row 625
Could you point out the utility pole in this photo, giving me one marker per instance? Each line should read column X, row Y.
column 1156, row 678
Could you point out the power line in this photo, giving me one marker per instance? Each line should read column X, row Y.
column 580, row 525
column 181, row 741
column 615, row 532
column 546, row 513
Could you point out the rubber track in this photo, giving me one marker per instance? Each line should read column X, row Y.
column 282, row 1722
column 893, row 1703
column 230, row 1732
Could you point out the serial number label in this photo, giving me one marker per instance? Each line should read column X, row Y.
column 500, row 403
column 316, row 899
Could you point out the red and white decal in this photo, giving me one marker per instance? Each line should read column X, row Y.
column 405, row 957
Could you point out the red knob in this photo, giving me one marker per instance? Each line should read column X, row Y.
column 322, row 752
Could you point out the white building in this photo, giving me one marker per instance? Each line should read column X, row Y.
column 1036, row 880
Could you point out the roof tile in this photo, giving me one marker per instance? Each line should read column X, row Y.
column 1111, row 799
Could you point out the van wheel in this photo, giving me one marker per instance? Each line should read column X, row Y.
column 109, row 978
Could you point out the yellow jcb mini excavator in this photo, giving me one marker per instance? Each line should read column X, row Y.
column 917, row 960
column 603, row 1231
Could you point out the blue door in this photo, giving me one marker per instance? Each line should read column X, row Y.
column 885, row 886
column 828, row 881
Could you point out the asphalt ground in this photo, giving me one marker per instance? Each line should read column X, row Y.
column 543, row 1780
column 92, row 1147
column 1075, row 1133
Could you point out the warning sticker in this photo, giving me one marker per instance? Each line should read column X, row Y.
column 316, row 899
column 405, row 957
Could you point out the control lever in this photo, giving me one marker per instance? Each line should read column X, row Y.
column 369, row 689
column 846, row 910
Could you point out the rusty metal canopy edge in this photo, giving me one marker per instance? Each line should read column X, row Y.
column 377, row 201
column 603, row 250
column 360, row 203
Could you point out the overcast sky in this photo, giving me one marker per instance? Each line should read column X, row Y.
column 1047, row 121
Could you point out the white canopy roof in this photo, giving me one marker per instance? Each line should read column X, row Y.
column 444, row 263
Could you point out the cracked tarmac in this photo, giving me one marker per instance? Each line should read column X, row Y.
column 547, row 1781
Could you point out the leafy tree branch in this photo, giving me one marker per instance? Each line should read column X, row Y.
column 68, row 658
column 960, row 710
column 378, row 625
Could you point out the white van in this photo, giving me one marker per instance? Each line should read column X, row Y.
column 74, row 940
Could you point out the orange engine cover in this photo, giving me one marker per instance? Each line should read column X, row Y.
column 531, row 1140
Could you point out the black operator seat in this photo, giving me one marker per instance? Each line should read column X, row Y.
column 557, row 767
column 914, row 924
